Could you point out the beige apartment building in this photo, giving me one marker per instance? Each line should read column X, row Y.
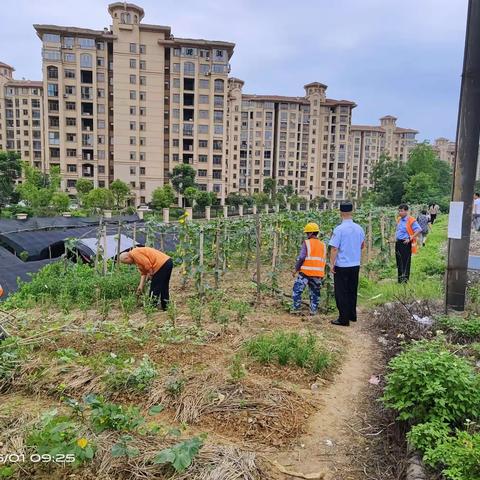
column 445, row 150
column 21, row 116
column 367, row 143
column 133, row 101
column 298, row 141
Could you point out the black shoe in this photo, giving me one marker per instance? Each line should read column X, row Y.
column 338, row 322
column 353, row 320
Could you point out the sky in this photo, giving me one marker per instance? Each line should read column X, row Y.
column 391, row 57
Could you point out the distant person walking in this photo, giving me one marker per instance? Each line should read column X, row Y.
column 155, row 265
column 433, row 211
column 346, row 245
column 476, row 211
column 406, row 235
column 423, row 220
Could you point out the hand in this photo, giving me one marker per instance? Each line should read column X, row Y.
column 406, row 241
column 139, row 291
column 332, row 269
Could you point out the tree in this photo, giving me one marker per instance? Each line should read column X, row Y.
column 60, row 201
column 205, row 199
column 234, row 199
column 419, row 189
column 37, row 188
column 120, row 191
column 163, row 197
column 83, row 186
column 286, row 190
column 10, row 169
column 183, row 176
column 261, row 199
column 99, row 198
column 389, row 178
column 191, row 194
column 269, row 186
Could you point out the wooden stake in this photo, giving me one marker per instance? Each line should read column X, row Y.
column 104, row 250
column 217, row 256
column 99, row 235
column 134, row 233
column 119, row 234
column 200, row 261
column 369, row 252
column 382, row 230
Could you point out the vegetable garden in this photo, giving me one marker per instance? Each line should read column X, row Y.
column 96, row 383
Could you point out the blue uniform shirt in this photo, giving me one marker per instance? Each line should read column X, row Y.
column 402, row 233
column 348, row 237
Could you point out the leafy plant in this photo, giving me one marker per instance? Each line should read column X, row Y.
column 59, row 435
column 172, row 312
column 242, row 309
column 236, row 368
column 427, row 382
column 66, row 355
column 110, row 416
column 195, row 307
column 12, row 354
column 122, row 372
column 180, row 455
column 467, row 328
column 128, row 304
column 123, row 448
column 426, row 435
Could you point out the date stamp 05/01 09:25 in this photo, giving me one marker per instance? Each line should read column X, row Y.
column 10, row 458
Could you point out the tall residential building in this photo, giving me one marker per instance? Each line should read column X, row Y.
column 132, row 101
column 21, row 116
column 367, row 143
column 298, row 141
column 445, row 150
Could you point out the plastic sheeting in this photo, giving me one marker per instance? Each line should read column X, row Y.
column 89, row 247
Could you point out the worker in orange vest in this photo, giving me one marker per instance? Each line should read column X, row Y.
column 152, row 264
column 407, row 232
column 309, row 269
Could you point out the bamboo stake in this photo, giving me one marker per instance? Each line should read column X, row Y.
column 217, row 255
column 258, row 244
column 119, row 233
column 369, row 249
column 104, row 250
column 134, row 233
column 200, row 262
column 99, row 234
column 382, row 230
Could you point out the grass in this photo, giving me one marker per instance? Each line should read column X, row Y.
column 290, row 348
column 426, row 279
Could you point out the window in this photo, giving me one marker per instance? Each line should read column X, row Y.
column 218, row 116
column 217, row 159
column 70, row 105
column 219, row 86
column 69, row 73
column 71, row 122
column 176, row 52
column 205, row 83
column 203, row 99
column 100, row 108
column 133, row 141
column 176, row 68
column 143, row 80
column 100, row 62
column 51, row 38
column 133, row 110
column 101, row 183
column 133, row 155
column 100, row 92
column 69, row 90
column 203, row 143
column 133, row 95
column 101, row 168
column 143, row 96
column 52, row 73
column 143, row 156
column 100, row 46
column 217, row 68
column 101, row 139
column 71, row 183
column 86, row 60
column 218, row 101
column 142, row 170
column 189, row 68
column 86, row 42
column 71, row 168
column 101, row 124
column 51, row 54
column 217, row 144
column 143, row 65
column 133, row 125
column 204, row 69
column 203, row 114
column 202, row 158
column 175, row 142
column 202, row 173
column 100, row 77
column 203, row 129
column 69, row 57
column 143, row 141
column 133, row 63
column 143, row 111
column 143, row 48
column 176, row 83
column 218, row 129
column 143, row 126
column 54, row 138
column 176, row 98
column 133, row 79
column 52, row 89
column 133, row 48
column 133, row 171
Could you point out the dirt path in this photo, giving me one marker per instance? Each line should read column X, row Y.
column 326, row 445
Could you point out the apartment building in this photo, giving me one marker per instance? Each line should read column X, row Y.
column 21, row 116
column 445, row 150
column 131, row 101
column 298, row 141
column 367, row 143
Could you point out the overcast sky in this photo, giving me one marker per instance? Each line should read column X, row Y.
column 397, row 57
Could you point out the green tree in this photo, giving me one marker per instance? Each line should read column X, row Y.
column 269, row 186
column 99, row 198
column 205, row 199
column 120, row 191
column 286, row 190
column 38, row 188
column 419, row 189
column 83, row 186
column 261, row 199
column 191, row 194
column 10, row 169
column 183, row 176
column 163, row 197
column 60, row 201
column 389, row 178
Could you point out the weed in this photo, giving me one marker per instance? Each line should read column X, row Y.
column 66, row 355
column 175, row 384
column 123, row 449
column 128, row 304
column 195, row 307
column 12, row 354
column 242, row 309
column 214, row 308
column 466, row 328
column 237, row 368
column 172, row 312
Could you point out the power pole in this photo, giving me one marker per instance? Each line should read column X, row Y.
column 465, row 168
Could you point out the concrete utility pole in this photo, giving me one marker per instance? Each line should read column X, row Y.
column 465, row 169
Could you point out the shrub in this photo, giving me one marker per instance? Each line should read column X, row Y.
column 424, row 435
column 468, row 328
column 290, row 348
column 242, row 309
column 428, row 382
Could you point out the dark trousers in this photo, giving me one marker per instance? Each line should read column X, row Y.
column 403, row 254
column 346, row 287
column 159, row 287
column 433, row 217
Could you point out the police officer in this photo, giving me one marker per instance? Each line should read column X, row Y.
column 346, row 244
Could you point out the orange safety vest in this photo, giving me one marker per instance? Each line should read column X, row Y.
column 410, row 222
column 314, row 263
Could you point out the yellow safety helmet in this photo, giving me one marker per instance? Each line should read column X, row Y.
column 311, row 228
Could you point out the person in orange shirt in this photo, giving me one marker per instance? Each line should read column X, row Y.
column 152, row 264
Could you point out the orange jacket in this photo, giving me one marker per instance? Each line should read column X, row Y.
column 148, row 260
column 314, row 263
column 413, row 242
